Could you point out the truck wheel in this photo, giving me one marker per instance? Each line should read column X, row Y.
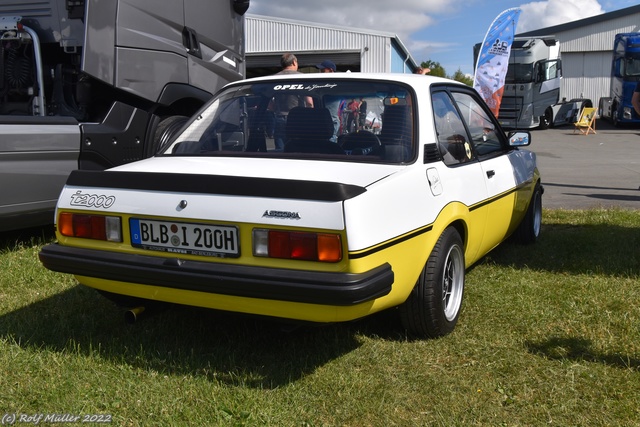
column 433, row 306
column 547, row 119
column 614, row 116
column 164, row 132
column 529, row 229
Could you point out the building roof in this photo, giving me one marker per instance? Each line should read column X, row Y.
column 582, row 22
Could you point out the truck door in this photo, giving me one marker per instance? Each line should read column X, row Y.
column 136, row 45
column 214, row 37
column 547, row 83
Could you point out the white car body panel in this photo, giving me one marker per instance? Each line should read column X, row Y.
column 207, row 207
column 344, row 172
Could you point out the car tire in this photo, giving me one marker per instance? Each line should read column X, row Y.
column 433, row 306
column 529, row 229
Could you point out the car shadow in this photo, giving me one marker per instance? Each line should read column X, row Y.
column 182, row 340
column 576, row 249
column 222, row 347
column 580, row 350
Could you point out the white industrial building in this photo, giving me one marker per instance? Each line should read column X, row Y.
column 586, row 47
column 351, row 49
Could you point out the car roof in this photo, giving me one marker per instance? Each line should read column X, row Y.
column 410, row 79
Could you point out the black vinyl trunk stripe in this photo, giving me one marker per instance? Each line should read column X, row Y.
column 217, row 184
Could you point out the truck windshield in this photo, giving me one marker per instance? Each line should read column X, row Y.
column 631, row 65
column 326, row 119
column 519, row 73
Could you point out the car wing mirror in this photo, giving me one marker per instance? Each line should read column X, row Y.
column 519, row 138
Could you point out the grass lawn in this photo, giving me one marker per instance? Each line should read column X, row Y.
column 549, row 335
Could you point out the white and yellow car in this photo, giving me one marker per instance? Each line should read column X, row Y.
column 351, row 216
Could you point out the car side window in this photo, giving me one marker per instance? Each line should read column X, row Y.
column 452, row 136
column 482, row 129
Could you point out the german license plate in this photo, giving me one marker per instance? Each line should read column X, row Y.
column 184, row 238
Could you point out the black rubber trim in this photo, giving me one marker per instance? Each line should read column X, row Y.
column 217, row 184
column 390, row 243
column 341, row 289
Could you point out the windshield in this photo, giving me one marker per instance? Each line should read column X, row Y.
column 519, row 73
column 345, row 120
column 631, row 65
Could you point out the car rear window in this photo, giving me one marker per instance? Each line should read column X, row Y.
column 341, row 120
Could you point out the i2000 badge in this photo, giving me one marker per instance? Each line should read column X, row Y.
column 92, row 200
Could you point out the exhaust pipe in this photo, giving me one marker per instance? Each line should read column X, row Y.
column 150, row 308
column 131, row 316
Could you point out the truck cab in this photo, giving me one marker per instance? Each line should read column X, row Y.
column 625, row 75
column 92, row 85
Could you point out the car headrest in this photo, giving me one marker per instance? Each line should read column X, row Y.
column 309, row 124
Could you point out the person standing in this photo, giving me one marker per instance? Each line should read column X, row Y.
column 289, row 64
column 281, row 104
column 363, row 113
column 353, row 108
column 326, row 66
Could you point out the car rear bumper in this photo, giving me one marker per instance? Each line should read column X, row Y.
column 324, row 288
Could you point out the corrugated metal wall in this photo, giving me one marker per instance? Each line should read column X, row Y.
column 266, row 36
column 585, row 75
column 586, row 56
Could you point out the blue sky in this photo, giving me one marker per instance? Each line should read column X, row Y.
column 440, row 30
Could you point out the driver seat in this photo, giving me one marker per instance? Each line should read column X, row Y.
column 309, row 130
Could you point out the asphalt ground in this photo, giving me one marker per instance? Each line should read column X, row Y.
column 589, row 171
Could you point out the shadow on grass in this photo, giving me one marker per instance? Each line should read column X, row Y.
column 12, row 240
column 579, row 349
column 576, row 249
column 223, row 347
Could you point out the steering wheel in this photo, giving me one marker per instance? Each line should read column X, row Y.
column 361, row 143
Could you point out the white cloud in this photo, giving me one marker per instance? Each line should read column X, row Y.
column 406, row 17
column 541, row 14
column 401, row 17
column 411, row 20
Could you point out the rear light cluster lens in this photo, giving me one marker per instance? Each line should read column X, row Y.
column 297, row 245
column 98, row 227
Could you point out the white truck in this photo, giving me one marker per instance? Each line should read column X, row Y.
column 532, row 83
column 91, row 84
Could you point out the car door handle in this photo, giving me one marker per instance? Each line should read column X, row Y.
column 490, row 174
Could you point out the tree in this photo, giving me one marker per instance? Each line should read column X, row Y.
column 462, row 78
column 439, row 71
column 435, row 67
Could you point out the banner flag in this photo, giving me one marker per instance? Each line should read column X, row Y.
column 493, row 58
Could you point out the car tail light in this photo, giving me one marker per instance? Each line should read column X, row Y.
column 297, row 245
column 98, row 227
